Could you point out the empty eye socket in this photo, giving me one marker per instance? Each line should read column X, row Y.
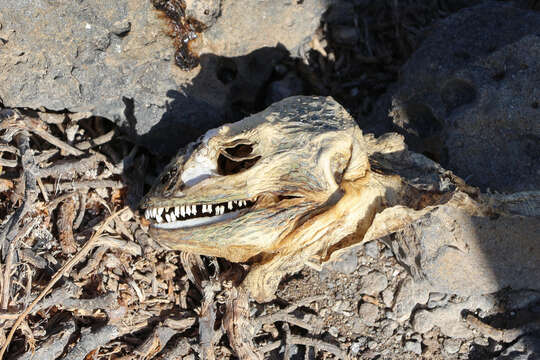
column 227, row 166
column 240, row 150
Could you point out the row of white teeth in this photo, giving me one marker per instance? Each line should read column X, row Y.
column 171, row 214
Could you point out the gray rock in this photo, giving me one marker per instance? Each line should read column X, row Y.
column 413, row 346
column 408, row 296
column 470, row 255
column 451, row 346
column 422, row 321
column 388, row 297
column 115, row 60
column 372, row 249
column 373, row 283
column 346, row 263
column 246, row 25
column 449, row 318
column 469, row 97
column 355, row 348
column 369, row 313
column 437, row 299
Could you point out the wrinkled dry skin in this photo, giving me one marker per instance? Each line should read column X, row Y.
column 292, row 163
column 302, row 167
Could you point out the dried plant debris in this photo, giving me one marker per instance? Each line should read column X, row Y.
column 186, row 24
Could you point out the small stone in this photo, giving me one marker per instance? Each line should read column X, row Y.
column 363, row 270
column 481, row 341
column 369, row 313
column 121, row 27
column 372, row 249
column 373, row 283
column 388, row 297
column 387, row 253
column 333, row 331
column 346, row 264
column 422, row 321
column 355, row 348
column 408, row 296
column 389, row 326
column 451, row 345
column 437, row 299
column 372, row 344
column 413, row 346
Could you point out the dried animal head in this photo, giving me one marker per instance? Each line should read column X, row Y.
column 242, row 189
column 299, row 184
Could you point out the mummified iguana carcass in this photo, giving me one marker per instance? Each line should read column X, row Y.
column 294, row 184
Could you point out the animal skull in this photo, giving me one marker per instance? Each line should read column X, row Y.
column 293, row 185
column 244, row 187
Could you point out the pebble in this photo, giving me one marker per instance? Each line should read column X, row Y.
column 437, row 299
column 346, row 264
column 413, row 346
column 369, row 313
column 373, row 283
column 355, row 348
column 409, row 295
column 333, row 331
column 451, row 345
column 372, row 249
column 389, row 326
column 422, row 322
column 388, row 297
column 372, row 344
column 387, row 252
column 121, row 27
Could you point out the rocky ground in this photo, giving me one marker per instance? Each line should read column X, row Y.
column 84, row 152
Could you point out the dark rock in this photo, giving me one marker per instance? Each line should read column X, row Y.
column 116, row 60
column 468, row 97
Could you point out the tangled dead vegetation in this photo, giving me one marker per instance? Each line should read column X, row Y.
column 80, row 276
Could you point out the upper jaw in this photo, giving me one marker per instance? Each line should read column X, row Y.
column 194, row 214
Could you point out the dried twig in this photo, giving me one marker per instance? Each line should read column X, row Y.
column 237, row 324
column 54, row 346
column 59, row 274
column 64, row 186
column 318, row 344
column 92, row 340
column 501, row 335
column 208, row 335
column 100, row 140
column 9, row 260
column 66, row 215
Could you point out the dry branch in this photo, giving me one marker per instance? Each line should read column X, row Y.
column 501, row 335
column 88, row 184
column 237, row 324
column 66, row 268
column 66, row 216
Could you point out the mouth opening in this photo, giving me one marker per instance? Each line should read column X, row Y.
column 190, row 215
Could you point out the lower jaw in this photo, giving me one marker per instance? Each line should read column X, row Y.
column 200, row 221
